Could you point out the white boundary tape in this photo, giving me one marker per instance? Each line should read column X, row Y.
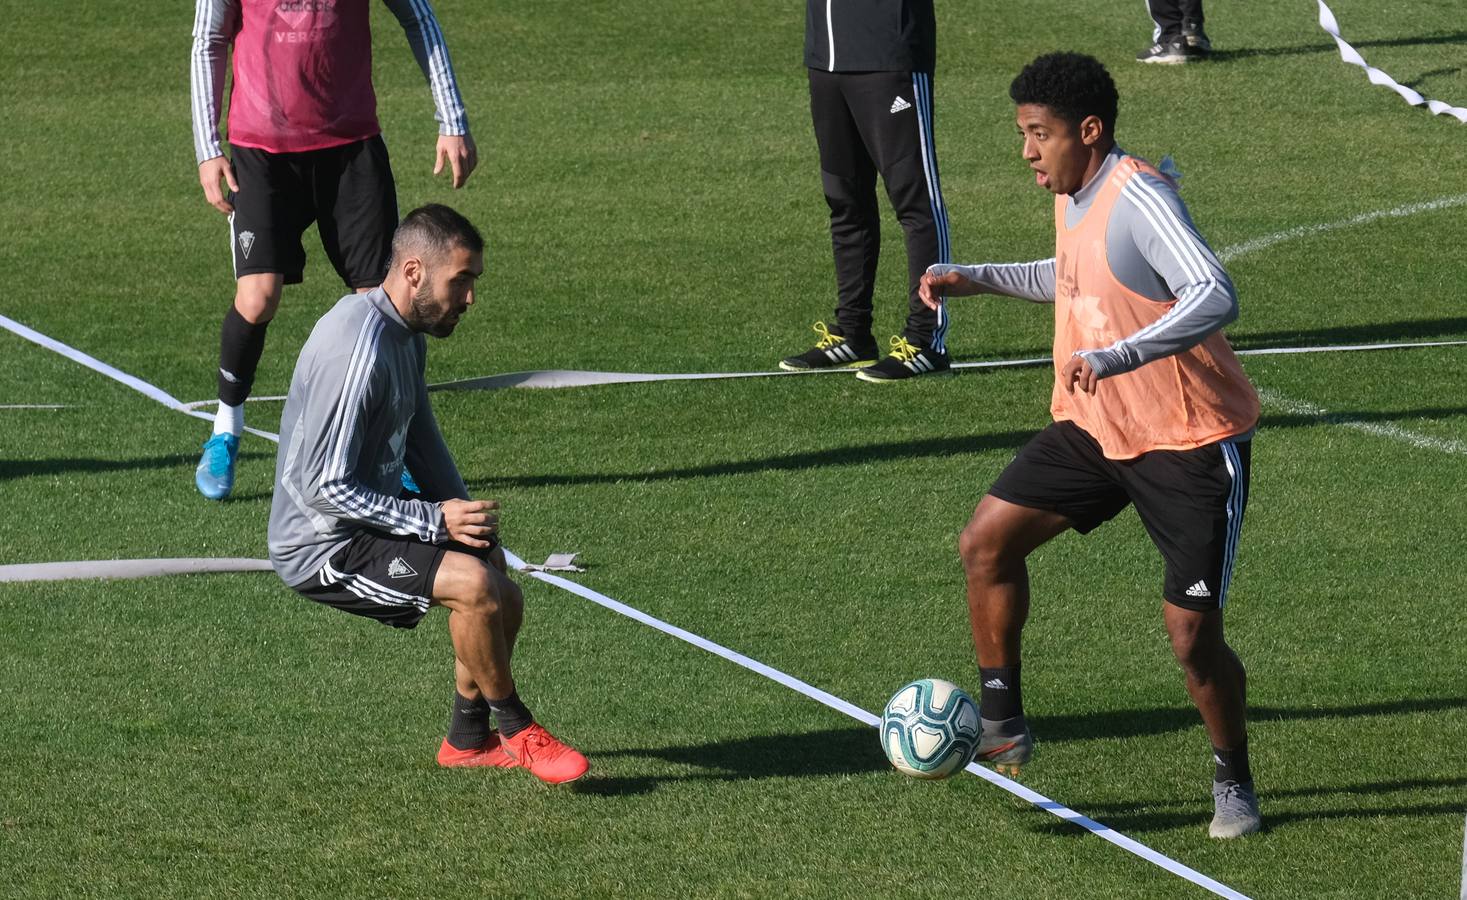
column 1352, row 56
column 127, row 568
column 1102, row 831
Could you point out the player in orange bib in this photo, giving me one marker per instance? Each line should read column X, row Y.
column 1150, row 408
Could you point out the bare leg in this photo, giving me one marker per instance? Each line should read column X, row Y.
column 993, row 547
column 257, row 296
column 479, row 599
column 1216, row 679
column 512, row 615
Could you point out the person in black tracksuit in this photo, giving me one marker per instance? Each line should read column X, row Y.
column 870, row 65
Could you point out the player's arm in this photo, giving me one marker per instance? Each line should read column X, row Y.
column 347, row 390
column 471, row 522
column 455, row 143
column 215, row 24
column 1154, row 225
column 1032, row 281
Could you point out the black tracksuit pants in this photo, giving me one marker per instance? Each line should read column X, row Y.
column 1170, row 14
column 880, row 122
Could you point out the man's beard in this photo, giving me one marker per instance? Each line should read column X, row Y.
column 427, row 317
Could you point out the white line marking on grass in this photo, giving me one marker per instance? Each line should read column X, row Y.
column 1100, row 830
column 1228, row 254
column 1391, row 432
column 33, row 406
column 127, row 568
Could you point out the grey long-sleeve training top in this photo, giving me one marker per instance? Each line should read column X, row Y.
column 357, row 411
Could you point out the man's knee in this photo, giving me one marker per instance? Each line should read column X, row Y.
column 257, row 297
column 984, row 546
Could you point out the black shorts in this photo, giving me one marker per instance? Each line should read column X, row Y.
column 348, row 191
column 1191, row 501
column 382, row 576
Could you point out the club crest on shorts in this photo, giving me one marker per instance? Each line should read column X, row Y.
column 399, row 568
column 246, row 241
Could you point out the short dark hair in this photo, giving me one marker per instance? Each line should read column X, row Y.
column 433, row 230
column 1072, row 84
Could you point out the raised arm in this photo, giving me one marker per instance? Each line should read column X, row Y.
column 1151, row 223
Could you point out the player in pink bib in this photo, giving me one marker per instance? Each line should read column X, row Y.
column 1150, row 407
column 305, row 147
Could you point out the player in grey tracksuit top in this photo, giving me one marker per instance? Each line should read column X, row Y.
column 357, row 411
column 344, row 533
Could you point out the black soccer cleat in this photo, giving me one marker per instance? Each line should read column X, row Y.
column 907, row 360
column 832, row 351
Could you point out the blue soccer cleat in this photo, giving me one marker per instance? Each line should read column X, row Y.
column 215, row 474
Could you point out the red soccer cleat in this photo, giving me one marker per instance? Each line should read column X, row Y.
column 491, row 754
column 547, row 758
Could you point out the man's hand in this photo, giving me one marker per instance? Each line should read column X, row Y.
column 471, row 522
column 461, row 155
column 1078, row 374
column 210, row 172
column 932, row 288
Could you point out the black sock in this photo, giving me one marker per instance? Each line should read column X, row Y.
column 240, row 346
column 1000, row 698
column 512, row 714
column 468, row 724
column 1232, row 765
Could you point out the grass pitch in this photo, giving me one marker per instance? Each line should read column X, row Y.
column 650, row 193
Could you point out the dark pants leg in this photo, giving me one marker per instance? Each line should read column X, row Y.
column 864, row 123
column 848, row 176
column 1170, row 14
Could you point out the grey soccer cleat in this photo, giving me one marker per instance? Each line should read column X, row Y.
column 1236, row 810
column 1006, row 743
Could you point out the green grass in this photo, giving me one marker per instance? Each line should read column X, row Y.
column 650, row 194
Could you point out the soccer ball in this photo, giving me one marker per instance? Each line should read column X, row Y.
column 930, row 729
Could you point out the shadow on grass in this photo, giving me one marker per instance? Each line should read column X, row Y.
column 1455, row 37
column 896, row 450
column 1137, row 722
column 835, row 751
column 1451, row 328
column 813, row 459
column 1370, row 800
column 33, row 468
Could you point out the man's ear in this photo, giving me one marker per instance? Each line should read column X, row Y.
column 413, row 272
column 1092, row 130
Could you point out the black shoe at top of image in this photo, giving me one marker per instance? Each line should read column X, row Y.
column 1196, row 38
column 907, row 360
column 1171, row 51
column 832, row 351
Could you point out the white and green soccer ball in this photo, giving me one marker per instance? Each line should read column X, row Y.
column 930, row 729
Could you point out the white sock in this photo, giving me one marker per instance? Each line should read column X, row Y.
column 229, row 420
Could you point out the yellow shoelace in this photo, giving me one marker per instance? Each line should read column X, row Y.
column 827, row 340
column 902, row 349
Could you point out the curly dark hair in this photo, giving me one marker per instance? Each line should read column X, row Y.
column 1072, row 84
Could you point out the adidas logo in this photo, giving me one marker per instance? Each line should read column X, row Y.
column 1199, row 590
column 247, row 239
column 899, row 104
column 399, row 568
column 996, row 684
column 919, row 364
column 841, row 353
